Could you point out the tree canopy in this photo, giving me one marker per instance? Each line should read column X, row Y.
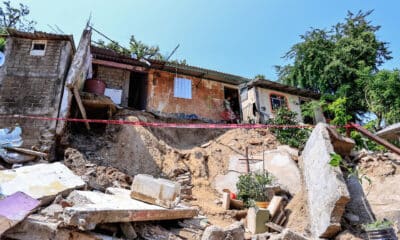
column 15, row 17
column 330, row 61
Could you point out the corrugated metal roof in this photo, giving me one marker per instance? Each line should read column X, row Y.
column 284, row 88
column 37, row 35
column 108, row 54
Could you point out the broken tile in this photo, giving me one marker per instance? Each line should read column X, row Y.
column 14, row 208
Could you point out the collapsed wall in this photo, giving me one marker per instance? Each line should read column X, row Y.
column 31, row 84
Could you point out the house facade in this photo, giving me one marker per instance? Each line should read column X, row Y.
column 166, row 89
column 260, row 98
column 32, row 78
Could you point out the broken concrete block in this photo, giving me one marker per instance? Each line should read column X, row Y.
column 327, row 192
column 226, row 201
column 38, row 227
column 275, row 205
column 128, row 230
column 157, row 191
column 41, row 181
column 279, row 163
column 288, row 234
column 14, row 208
column 232, row 232
column 91, row 208
column 256, row 219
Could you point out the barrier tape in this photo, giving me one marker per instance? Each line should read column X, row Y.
column 162, row 125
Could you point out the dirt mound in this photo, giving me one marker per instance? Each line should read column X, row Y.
column 173, row 153
column 97, row 177
column 383, row 193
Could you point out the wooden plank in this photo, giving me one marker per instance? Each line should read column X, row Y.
column 80, row 105
column 274, row 226
column 275, row 205
column 107, row 208
column 14, row 208
column 38, row 227
column 28, row 151
column 119, row 65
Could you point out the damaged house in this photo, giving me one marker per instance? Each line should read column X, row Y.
column 187, row 92
column 166, row 89
column 260, row 99
column 31, row 80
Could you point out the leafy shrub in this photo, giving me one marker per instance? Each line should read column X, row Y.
column 377, row 225
column 252, row 186
column 294, row 137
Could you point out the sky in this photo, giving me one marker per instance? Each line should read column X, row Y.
column 241, row 37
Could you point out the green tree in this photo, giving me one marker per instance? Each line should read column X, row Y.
column 382, row 95
column 260, row 76
column 15, row 17
column 329, row 61
column 142, row 50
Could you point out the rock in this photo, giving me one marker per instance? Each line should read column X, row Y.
column 157, row 191
column 288, row 234
column 346, row 235
column 128, row 230
column 342, row 145
column 232, row 232
column 352, row 218
column 358, row 206
column 277, row 162
column 326, row 188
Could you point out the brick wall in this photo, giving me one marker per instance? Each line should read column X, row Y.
column 206, row 103
column 116, row 79
column 113, row 77
column 32, row 85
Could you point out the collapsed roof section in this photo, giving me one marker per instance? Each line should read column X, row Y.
column 110, row 55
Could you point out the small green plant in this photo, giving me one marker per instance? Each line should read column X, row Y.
column 377, row 225
column 252, row 187
column 294, row 137
column 337, row 161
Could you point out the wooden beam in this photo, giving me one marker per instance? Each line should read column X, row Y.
column 80, row 105
column 28, row 151
column 119, row 65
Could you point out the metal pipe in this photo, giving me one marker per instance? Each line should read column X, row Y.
column 375, row 138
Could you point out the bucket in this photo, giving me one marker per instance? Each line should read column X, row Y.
column 95, row 86
column 262, row 204
column 382, row 234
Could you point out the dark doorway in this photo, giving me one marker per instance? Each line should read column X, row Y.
column 137, row 90
column 232, row 95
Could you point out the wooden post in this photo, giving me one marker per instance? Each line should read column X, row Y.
column 80, row 105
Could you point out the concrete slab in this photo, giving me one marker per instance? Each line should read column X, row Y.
column 277, row 162
column 38, row 227
column 91, row 208
column 40, row 181
column 14, row 208
column 327, row 193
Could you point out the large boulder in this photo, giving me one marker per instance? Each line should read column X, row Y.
column 327, row 193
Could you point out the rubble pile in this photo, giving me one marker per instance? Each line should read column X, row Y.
column 192, row 193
